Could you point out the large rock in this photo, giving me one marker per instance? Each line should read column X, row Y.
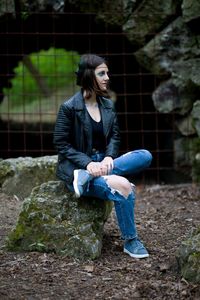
column 181, row 90
column 196, row 166
column 26, row 6
column 174, row 95
column 18, row 176
column 188, row 257
column 185, row 125
column 187, row 157
column 196, row 116
column 173, row 44
column 7, row 7
column 147, row 17
column 187, row 70
column 53, row 220
column 190, row 10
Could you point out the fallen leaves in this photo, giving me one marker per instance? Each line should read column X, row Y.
column 164, row 217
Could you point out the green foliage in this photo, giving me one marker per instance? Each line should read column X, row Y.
column 56, row 68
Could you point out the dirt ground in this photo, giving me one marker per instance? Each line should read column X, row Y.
column 165, row 215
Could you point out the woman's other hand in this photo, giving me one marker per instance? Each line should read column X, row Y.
column 107, row 162
column 96, row 169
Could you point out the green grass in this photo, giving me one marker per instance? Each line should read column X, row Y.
column 57, row 68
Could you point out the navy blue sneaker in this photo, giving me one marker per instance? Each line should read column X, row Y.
column 135, row 249
column 81, row 178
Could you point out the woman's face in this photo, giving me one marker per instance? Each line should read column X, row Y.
column 101, row 73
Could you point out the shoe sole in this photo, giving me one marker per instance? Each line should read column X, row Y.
column 136, row 255
column 75, row 184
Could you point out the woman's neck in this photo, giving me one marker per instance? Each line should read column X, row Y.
column 92, row 101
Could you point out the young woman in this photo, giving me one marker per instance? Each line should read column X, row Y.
column 87, row 140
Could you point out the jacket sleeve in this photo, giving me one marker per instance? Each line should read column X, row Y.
column 63, row 138
column 113, row 139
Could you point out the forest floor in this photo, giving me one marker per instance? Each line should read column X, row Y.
column 165, row 216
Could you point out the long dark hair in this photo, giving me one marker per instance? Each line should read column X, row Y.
column 86, row 76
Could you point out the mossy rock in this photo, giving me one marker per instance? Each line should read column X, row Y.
column 18, row 176
column 53, row 220
column 188, row 257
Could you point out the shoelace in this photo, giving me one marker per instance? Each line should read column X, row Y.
column 138, row 244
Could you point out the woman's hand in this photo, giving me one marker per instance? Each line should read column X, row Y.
column 96, row 169
column 101, row 168
column 107, row 162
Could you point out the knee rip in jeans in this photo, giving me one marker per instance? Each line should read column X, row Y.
column 114, row 190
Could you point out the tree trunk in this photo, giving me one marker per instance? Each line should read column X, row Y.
column 37, row 76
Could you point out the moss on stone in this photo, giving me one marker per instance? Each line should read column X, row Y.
column 53, row 220
column 188, row 257
column 6, row 171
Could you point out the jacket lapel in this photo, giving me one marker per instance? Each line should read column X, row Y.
column 83, row 116
column 106, row 113
column 107, row 117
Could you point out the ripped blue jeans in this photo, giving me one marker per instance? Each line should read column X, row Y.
column 127, row 164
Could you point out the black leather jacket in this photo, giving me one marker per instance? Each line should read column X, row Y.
column 73, row 136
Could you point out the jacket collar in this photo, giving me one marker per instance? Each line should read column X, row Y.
column 80, row 104
column 105, row 107
column 79, row 101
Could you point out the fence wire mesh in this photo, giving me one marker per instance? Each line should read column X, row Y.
column 38, row 55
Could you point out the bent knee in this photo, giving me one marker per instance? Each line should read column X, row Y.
column 120, row 184
column 147, row 156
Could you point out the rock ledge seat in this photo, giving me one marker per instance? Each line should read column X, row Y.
column 51, row 218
